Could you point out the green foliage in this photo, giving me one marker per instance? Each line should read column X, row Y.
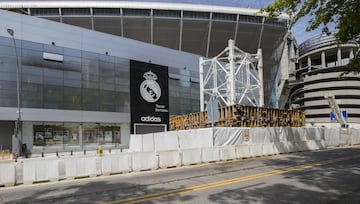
column 345, row 14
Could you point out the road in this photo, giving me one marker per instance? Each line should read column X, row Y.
column 331, row 176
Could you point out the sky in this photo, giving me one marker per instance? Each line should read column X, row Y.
column 298, row 29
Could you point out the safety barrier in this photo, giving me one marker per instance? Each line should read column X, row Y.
column 82, row 166
column 242, row 151
column 332, row 137
column 256, row 150
column 210, row 154
column 40, row 169
column 227, row 153
column 166, row 141
column 170, row 158
column 272, row 141
column 7, row 173
column 268, row 149
column 116, row 163
column 355, row 134
column 190, row 156
column 144, row 161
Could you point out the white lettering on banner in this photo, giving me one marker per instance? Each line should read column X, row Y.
column 150, row 119
column 161, row 108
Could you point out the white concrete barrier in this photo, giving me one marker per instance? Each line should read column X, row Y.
column 190, row 156
column 81, row 166
column 148, row 143
column 257, row 135
column 283, row 134
column 40, row 169
column 280, row 148
column 275, row 133
column 291, row 147
column 242, row 151
column 195, row 138
column 115, row 163
column 268, row 149
column 210, row 154
column 144, row 161
column 314, row 133
column 295, row 135
column 345, row 138
column 355, row 136
column 136, row 143
column 166, row 141
column 256, row 150
column 315, row 144
column 227, row 153
column 169, row 158
column 300, row 146
column 332, row 137
column 7, row 173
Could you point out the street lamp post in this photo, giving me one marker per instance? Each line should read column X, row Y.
column 18, row 120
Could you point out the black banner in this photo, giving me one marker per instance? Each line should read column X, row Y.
column 149, row 94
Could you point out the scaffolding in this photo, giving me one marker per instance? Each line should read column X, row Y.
column 233, row 77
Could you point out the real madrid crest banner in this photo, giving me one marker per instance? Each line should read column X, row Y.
column 149, row 94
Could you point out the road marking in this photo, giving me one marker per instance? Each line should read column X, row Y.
column 227, row 182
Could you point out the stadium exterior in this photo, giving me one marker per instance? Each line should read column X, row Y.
column 323, row 70
column 78, row 83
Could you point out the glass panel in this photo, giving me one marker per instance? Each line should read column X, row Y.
column 71, row 133
column 84, row 22
column 44, row 11
column 192, row 32
column 49, row 134
column 108, row 25
column 106, row 11
column 167, row 32
column 137, row 29
column 221, row 32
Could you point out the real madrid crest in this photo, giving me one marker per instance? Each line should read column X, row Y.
column 150, row 89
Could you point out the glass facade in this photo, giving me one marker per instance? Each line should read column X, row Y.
column 73, row 134
column 80, row 81
column 186, row 98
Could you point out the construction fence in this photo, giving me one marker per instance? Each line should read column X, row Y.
column 241, row 116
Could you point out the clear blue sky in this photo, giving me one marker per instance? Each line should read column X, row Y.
column 298, row 30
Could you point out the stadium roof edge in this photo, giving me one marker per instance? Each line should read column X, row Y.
column 132, row 4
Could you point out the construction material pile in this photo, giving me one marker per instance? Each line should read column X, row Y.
column 241, row 116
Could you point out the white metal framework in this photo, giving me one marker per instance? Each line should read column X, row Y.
column 233, row 76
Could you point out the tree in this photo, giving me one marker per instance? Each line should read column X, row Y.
column 345, row 14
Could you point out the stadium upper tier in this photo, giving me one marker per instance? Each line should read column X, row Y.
column 323, row 70
column 199, row 29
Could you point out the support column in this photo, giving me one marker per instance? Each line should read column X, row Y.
column 261, row 78
column 338, row 63
column 323, row 60
column 309, row 62
column 201, row 78
column 231, row 58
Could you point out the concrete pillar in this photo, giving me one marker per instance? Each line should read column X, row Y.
column 323, row 60
column 351, row 55
column 338, row 63
column 309, row 62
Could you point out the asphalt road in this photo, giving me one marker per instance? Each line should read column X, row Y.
column 331, row 176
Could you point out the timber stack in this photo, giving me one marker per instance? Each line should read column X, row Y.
column 241, row 116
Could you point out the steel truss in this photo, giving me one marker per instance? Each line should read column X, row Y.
column 233, row 76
